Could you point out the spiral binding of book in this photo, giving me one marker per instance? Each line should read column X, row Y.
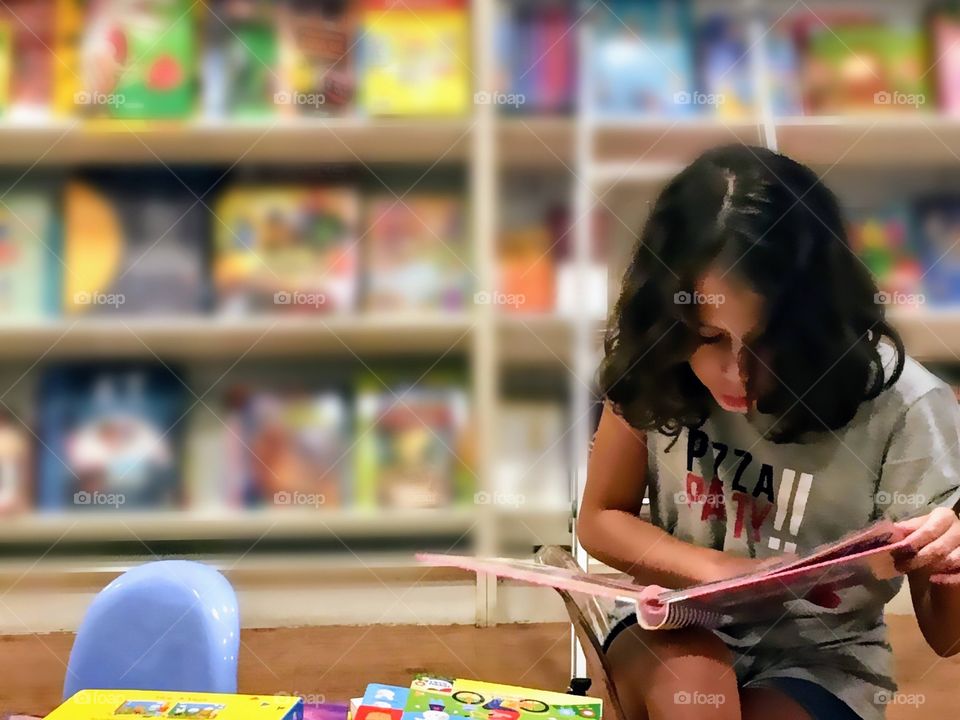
column 680, row 616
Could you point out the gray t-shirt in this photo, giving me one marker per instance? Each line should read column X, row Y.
column 725, row 487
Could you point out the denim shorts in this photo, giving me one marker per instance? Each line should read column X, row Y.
column 819, row 702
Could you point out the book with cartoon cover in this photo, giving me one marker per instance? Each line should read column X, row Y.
column 127, row 704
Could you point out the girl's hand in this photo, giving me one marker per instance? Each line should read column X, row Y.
column 934, row 545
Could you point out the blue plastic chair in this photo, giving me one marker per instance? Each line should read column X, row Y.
column 167, row 625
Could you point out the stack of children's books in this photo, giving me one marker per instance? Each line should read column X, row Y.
column 435, row 698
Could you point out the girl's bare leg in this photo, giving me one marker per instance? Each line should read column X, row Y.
column 688, row 674
column 675, row 674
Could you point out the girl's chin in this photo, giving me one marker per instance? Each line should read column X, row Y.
column 733, row 403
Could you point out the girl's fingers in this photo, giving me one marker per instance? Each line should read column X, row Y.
column 942, row 546
column 911, row 524
column 932, row 527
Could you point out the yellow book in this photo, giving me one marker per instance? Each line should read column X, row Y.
column 129, row 704
column 416, row 58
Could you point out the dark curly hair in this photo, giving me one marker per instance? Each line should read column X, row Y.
column 772, row 223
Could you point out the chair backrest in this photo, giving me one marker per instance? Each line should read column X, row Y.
column 590, row 623
column 166, row 625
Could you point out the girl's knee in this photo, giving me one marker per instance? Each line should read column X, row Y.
column 634, row 643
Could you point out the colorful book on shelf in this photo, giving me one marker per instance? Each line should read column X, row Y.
column 881, row 238
column 120, row 704
column 725, row 66
column 415, row 255
column 240, row 66
column 317, row 39
column 286, row 448
column 413, row 444
column 126, row 60
column 642, row 59
column 857, row 558
column 29, row 265
column 416, row 57
column 286, row 249
column 135, row 244
column 111, row 437
column 938, row 246
column 944, row 28
column 865, row 68
column 437, row 698
column 32, row 25
column 16, row 464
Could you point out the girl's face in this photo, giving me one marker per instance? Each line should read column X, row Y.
column 729, row 312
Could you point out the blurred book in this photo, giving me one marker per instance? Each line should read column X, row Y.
column 6, row 64
column 527, row 271
column 16, row 465
column 286, row 448
column 29, row 266
column 938, row 242
column 865, row 67
column 111, row 437
column 31, row 83
column 642, row 60
column 126, row 59
column 881, row 238
column 241, row 58
column 286, row 248
column 783, row 68
column 536, row 51
column 531, row 467
column 416, row 57
column 135, row 244
column 317, row 39
column 943, row 22
column 413, row 443
column 415, row 253
column 724, row 65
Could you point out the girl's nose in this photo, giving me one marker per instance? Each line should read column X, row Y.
column 733, row 366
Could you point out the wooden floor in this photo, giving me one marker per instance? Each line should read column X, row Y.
column 335, row 663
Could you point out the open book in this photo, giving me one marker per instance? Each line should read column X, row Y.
column 855, row 559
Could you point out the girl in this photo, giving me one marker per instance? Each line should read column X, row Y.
column 753, row 389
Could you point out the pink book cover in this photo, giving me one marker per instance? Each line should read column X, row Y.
column 853, row 560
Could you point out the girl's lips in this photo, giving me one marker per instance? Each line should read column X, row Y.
column 734, row 401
